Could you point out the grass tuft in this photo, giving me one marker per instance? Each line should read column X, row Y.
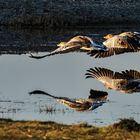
column 128, row 124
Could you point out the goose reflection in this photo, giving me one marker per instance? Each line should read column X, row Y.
column 77, row 43
column 118, row 44
column 126, row 81
column 95, row 99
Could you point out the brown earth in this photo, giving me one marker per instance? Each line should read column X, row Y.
column 126, row 129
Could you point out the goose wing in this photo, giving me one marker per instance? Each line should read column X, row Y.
column 133, row 35
column 71, row 47
column 133, row 77
column 103, row 75
column 110, row 52
column 83, row 39
column 131, row 74
column 106, row 76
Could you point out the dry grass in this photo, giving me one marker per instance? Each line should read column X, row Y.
column 126, row 129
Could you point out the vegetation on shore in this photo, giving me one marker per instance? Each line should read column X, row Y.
column 36, row 130
column 68, row 13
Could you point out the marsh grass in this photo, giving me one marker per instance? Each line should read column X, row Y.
column 11, row 130
column 128, row 124
column 47, row 109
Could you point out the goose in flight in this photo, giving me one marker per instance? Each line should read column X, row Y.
column 95, row 99
column 118, row 44
column 77, row 43
column 133, row 35
column 126, row 81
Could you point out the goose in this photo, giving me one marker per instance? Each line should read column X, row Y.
column 95, row 99
column 77, row 43
column 133, row 35
column 126, row 81
column 118, row 44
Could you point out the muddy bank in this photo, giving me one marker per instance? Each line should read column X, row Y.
column 125, row 129
column 70, row 13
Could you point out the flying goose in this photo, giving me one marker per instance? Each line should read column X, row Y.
column 77, row 43
column 95, row 99
column 118, row 44
column 126, row 81
column 133, row 35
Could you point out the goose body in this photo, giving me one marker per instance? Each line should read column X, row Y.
column 118, row 44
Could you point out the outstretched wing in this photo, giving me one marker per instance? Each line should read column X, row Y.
column 100, row 74
column 106, row 76
column 133, row 35
column 131, row 74
column 75, row 46
column 110, row 52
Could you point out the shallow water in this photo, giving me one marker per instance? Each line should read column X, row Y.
column 62, row 75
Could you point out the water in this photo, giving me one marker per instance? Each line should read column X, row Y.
column 60, row 75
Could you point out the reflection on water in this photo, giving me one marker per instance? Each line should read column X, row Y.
column 62, row 75
column 96, row 98
column 126, row 81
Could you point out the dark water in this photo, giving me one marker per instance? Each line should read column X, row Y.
column 60, row 75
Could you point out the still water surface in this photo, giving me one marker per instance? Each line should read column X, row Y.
column 63, row 75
